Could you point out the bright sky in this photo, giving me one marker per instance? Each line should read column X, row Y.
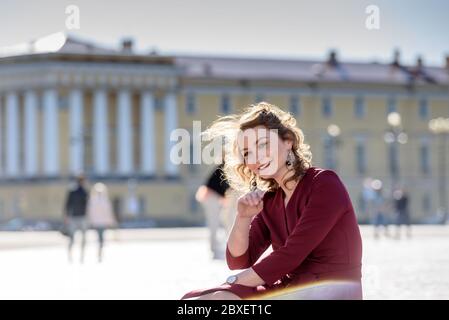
column 281, row 28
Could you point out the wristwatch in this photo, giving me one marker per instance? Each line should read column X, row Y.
column 231, row 279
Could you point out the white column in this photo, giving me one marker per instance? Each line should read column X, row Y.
column 51, row 133
column 31, row 142
column 147, row 138
column 12, row 134
column 100, row 132
column 124, row 133
column 171, row 121
column 76, row 139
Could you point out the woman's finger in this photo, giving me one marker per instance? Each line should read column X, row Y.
column 258, row 196
column 249, row 200
column 254, row 199
column 244, row 201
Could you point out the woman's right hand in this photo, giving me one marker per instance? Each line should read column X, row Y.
column 250, row 204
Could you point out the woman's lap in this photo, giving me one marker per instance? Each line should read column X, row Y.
column 341, row 290
column 338, row 290
column 242, row 291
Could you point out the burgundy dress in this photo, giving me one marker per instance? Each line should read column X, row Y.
column 315, row 238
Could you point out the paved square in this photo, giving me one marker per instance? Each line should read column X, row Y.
column 166, row 263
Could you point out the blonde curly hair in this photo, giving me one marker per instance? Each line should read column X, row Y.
column 236, row 172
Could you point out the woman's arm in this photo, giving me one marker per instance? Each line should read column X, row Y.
column 248, row 239
column 329, row 200
column 238, row 237
column 249, row 278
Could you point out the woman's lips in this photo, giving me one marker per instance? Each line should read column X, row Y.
column 264, row 166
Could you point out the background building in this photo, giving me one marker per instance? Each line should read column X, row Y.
column 68, row 105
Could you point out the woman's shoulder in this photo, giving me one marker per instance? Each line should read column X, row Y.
column 321, row 176
column 321, row 173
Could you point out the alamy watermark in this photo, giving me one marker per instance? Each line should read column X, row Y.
column 253, row 146
column 72, row 21
column 372, row 21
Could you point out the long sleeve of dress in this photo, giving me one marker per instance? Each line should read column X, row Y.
column 327, row 203
column 259, row 241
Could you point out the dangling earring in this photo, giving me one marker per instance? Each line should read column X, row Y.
column 290, row 159
column 253, row 184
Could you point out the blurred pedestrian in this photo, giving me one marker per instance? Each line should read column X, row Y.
column 229, row 209
column 100, row 214
column 212, row 197
column 368, row 195
column 379, row 208
column 75, row 215
column 401, row 205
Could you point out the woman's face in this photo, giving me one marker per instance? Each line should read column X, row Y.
column 263, row 151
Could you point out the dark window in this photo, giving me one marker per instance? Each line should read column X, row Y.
column 159, row 104
column 294, row 105
column 391, row 105
column 142, row 206
column 193, row 203
column 424, row 156
column 190, row 103
column 423, row 109
column 329, row 153
column 326, row 106
column 63, row 102
column 359, row 107
column 361, row 158
column 426, row 207
column 362, row 203
column 225, row 104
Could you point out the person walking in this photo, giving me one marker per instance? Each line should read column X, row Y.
column 212, row 197
column 100, row 214
column 75, row 215
column 401, row 201
column 380, row 208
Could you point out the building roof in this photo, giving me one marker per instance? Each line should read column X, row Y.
column 240, row 68
column 55, row 43
column 63, row 46
column 302, row 70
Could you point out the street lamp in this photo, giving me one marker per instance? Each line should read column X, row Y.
column 440, row 128
column 394, row 136
column 333, row 132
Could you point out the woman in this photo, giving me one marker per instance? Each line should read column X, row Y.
column 100, row 215
column 303, row 212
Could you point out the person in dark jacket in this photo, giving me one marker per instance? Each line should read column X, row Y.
column 401, row 201
column 212, row 196
column 75, row 215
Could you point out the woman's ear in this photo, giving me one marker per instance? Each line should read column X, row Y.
column 288, row 143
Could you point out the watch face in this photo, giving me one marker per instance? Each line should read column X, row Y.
column 231, row 279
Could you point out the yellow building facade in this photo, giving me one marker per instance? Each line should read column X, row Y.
column 109, row 113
